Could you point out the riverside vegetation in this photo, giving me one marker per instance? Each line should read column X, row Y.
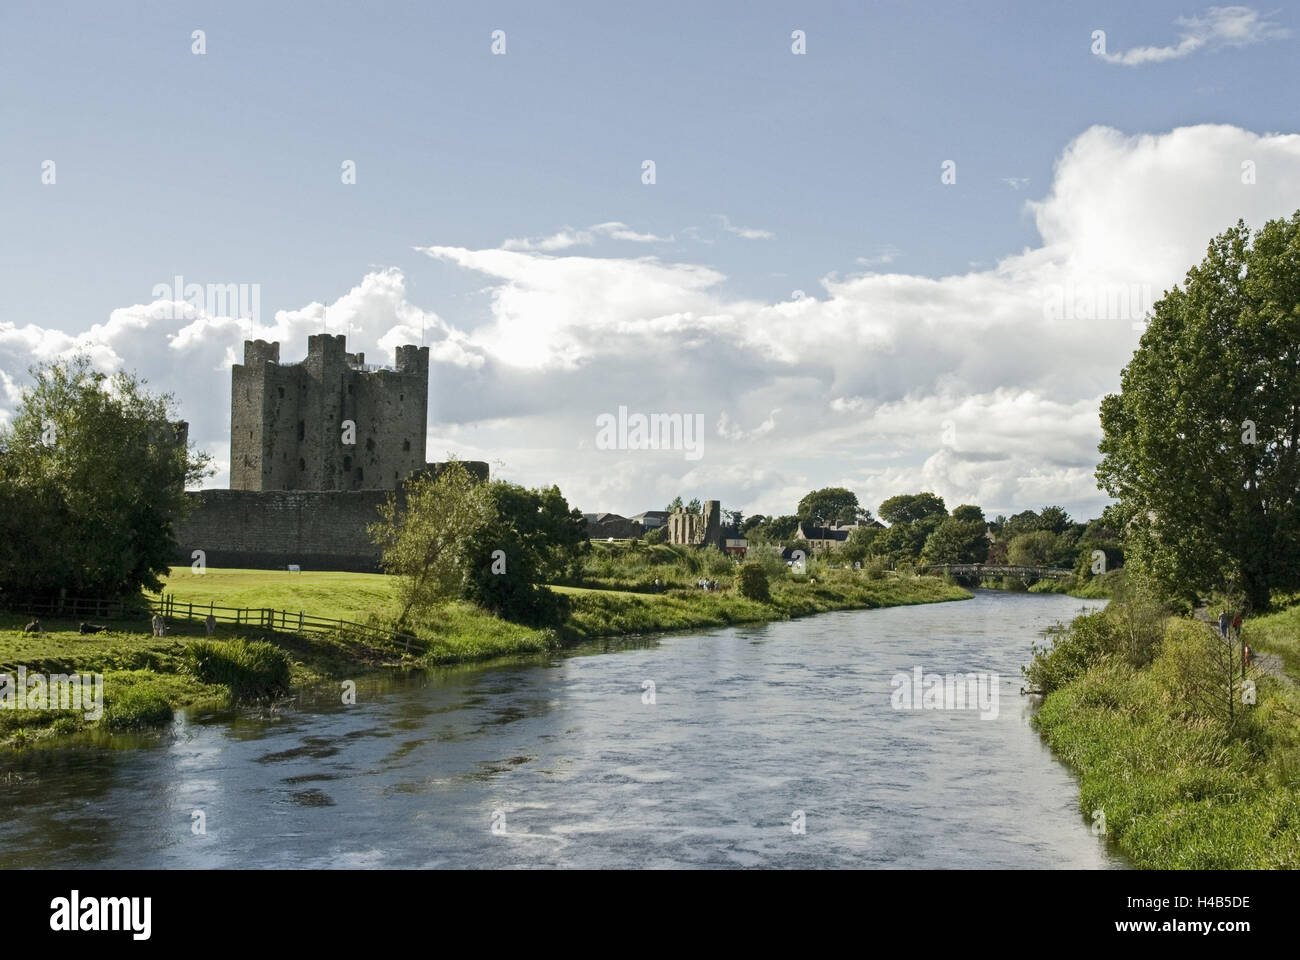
column 612, row 594
column 1182, row 767
column 1189, row 758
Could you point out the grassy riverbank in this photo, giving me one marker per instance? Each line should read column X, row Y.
column 142, row 673
column 1134, row 704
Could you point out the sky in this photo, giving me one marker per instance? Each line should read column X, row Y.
column 913, row 256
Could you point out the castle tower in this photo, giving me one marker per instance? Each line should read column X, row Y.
column 290, row 422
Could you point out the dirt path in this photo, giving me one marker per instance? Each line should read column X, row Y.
column 1270, row 663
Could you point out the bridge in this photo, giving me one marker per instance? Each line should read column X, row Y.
column 998, row 570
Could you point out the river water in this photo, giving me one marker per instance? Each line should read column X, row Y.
column 765, row 746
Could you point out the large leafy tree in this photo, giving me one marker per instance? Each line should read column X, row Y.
column 831, row 505
column 1202, row 443
column 959, row 538
column 911, row 507
column 93, row 471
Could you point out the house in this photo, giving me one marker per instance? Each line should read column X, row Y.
column 652, row 519
column 603, row 526
column 734, row 543
column 826, row 537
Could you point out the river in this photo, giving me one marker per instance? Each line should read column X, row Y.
column 770, row 745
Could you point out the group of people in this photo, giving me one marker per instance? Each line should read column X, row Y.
column 708, row 584
column 1232, row 622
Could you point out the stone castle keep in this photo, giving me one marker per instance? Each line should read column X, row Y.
column 315, row 448
column 289, row 421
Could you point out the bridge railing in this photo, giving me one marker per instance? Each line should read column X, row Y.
column 998, row 570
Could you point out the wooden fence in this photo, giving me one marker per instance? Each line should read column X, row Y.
column 267, row 618
column 263, row 618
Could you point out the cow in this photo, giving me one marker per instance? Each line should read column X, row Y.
column 33, row 627
column 159, row 625
column 90, row 628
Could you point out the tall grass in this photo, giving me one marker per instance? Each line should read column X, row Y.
column 251, row 669
column 1136, row 704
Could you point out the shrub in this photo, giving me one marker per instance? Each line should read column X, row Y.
column 253, row 670
column 716, row 563
column 1071, row 651
column 753, row 582
column 136, row 708
column 874, row 569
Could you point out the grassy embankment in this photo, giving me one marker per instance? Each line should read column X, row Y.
column 146, row 676
column 1135, row 705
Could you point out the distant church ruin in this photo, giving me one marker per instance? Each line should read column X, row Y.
column 316, row 447
column 702, row 529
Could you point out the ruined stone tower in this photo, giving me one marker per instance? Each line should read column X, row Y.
column 702, row 529
column 289, row 421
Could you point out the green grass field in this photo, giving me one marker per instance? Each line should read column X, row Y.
column 334, row 596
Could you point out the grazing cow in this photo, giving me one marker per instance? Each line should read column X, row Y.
column 295, row 568
column 210, row 624
column 33, row 627
column 159, row 625
column 90, row 628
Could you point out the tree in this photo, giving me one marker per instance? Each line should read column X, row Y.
column 911, row 507
column 1054, row 519
column 554, row 535
column 93, row 473
column 732, row 518
column 421, row 539
column 694, row 506
column 831, row 505
column 1036, row 549
column 773, row 529
column 674, row 505
column 1202, row 443
column 957, row 541
column 970, row 514
column 860, row 543
column 752, row 522
column 529, row 537
column 1026, row 521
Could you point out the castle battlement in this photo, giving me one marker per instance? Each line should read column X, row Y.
column 291, row 423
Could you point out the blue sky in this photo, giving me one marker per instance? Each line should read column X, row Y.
column 774, row 173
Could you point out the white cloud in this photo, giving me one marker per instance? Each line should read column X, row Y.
column 747, row 233
column 568, row 237
column 1215, row 29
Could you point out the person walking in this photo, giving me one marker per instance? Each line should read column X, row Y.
column 1236, row 626
column 1223, row 624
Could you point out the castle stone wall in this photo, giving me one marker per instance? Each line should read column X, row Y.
column 270, row 529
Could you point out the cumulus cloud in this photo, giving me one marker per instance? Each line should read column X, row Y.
column 982, row 386
column 747, row 233
column 1216, row 28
